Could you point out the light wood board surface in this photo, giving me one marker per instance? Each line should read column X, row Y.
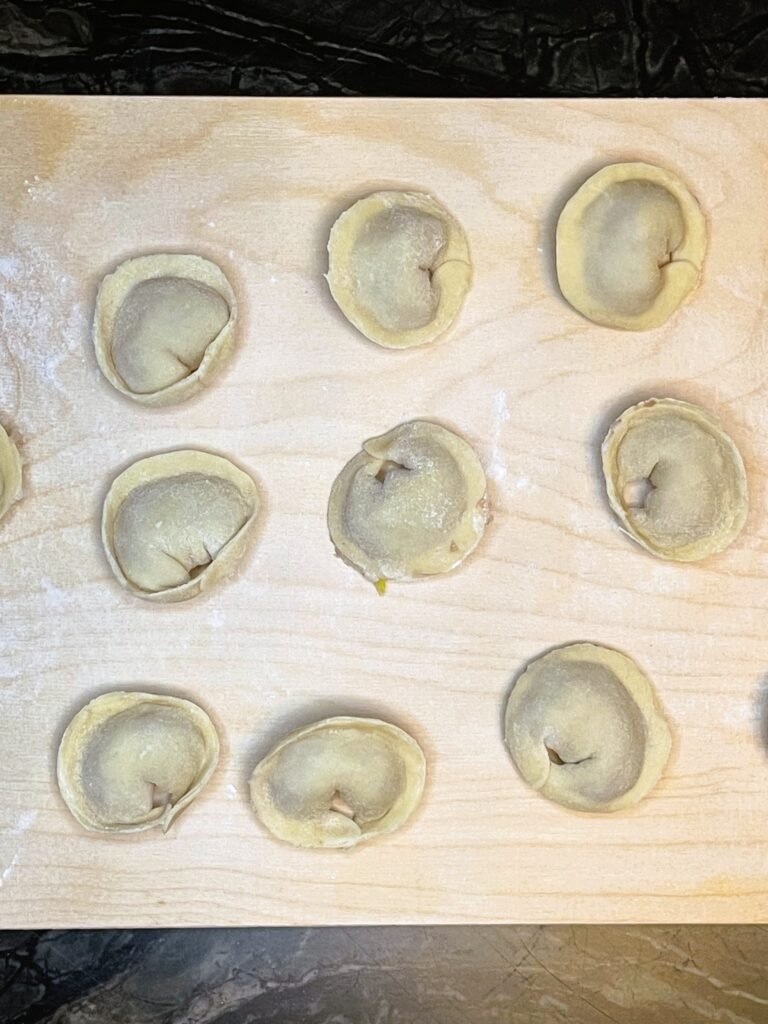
column 255, row 185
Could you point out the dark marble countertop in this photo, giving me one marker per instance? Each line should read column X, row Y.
column 460, row 975
column 384, row 47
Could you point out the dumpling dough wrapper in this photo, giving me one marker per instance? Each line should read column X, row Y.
column 412, row 503
column 399, row 268
column 584, row 727
column 339, row 782
column 130, row 761
column 630, row 246
column 176, row 523
column 164, row 326
column 675, row 479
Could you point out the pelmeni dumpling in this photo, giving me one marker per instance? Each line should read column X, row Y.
column 339, row 782
column 129, row 761
column 585, row 728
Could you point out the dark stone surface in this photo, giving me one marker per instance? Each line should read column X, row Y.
column 387, row 47
column 462, row 975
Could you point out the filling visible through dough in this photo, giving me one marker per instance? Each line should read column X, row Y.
column 338, row 782
column 163, row 326
column 140, row 760
column 584, row 727
column 167, row 530
column 175, row 523
column 675, row 479
column 392, row 266
column 130, row 761
column 631, row 232
column 162, row 330
column 399, row 268
column 412, row 503
column 589, row 728
column 630, row 246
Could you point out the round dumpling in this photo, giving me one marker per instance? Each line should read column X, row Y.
column 584, row 727
column 399, row 268
column 411, row 503
column 10, row 473
column 675, row 479
column 132, row 761
column 630, row 246
column 339, row 782
column 164, row 324
column 174, row 524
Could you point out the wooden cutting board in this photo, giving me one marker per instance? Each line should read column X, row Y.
column 255, row 185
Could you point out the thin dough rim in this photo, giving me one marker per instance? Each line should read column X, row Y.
column 10, row 472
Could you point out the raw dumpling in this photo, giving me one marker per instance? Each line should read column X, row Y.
column 10, row 473
column 164, row 324
column 675, row 479
column 630, row 246
column 339, row 782
column 584, row 726
column 399, row 268
column 175, row 523
column 130, row 761
column 411, row 503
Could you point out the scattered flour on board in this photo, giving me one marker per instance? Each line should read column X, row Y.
column 6, row 873
column 497, row 465
column 9, row 267
column 38, row 337
column 583, row 520
column 55, row 597
column 38, row 189
column 737, row 715
column 23, row 823
column 231, row 791
column 216, row 618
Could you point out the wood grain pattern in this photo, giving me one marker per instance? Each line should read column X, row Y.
column 255, row 185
